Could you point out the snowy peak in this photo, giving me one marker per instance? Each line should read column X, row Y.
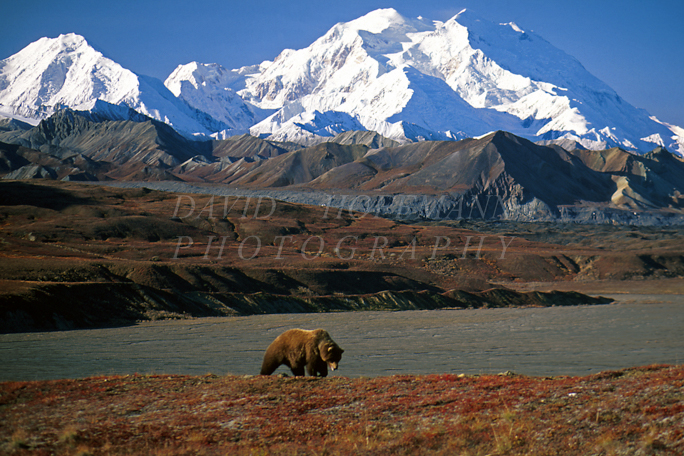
column 381, row 20
column 64, row 44
column 64, row 71
column 53, row 73
column 378, row 20
column 208, row 88
column 197, row 75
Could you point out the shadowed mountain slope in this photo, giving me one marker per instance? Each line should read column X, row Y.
column 367, row 138
column 300, row 166
column 150, row 142
column 249, row 146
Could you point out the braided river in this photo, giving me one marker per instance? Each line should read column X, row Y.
column 637, row 330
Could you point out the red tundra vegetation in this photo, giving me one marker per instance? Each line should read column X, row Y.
column 637, row 411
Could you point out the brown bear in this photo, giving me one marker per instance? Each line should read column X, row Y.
column 299, row 348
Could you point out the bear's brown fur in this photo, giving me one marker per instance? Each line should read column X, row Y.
column 299, row 349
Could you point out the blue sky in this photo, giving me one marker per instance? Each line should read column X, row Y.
column 636, row 47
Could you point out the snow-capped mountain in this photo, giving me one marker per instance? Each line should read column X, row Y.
column 417, row 79
column 465, row 76
column 66, row 71
column 407, row 79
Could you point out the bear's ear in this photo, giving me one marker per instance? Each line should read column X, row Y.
column 330, row 349
column 341, row 351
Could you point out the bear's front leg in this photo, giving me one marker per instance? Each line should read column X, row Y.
column 317, row 369
column 297, row 371
column 323, row 369
column 314, row 370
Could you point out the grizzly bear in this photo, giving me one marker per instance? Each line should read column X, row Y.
column 299, row 348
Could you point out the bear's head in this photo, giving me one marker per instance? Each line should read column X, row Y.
column 332, row 354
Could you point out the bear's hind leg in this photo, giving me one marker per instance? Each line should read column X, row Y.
column 297, row 371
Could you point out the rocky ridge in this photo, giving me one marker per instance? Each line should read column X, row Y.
column 498, row 176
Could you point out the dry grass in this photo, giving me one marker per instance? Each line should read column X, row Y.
column 633, row 412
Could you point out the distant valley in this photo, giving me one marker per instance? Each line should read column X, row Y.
column 77, row 255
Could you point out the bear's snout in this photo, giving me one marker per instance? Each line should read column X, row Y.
column 332, row 365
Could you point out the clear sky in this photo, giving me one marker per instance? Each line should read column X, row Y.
column 636, row 47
